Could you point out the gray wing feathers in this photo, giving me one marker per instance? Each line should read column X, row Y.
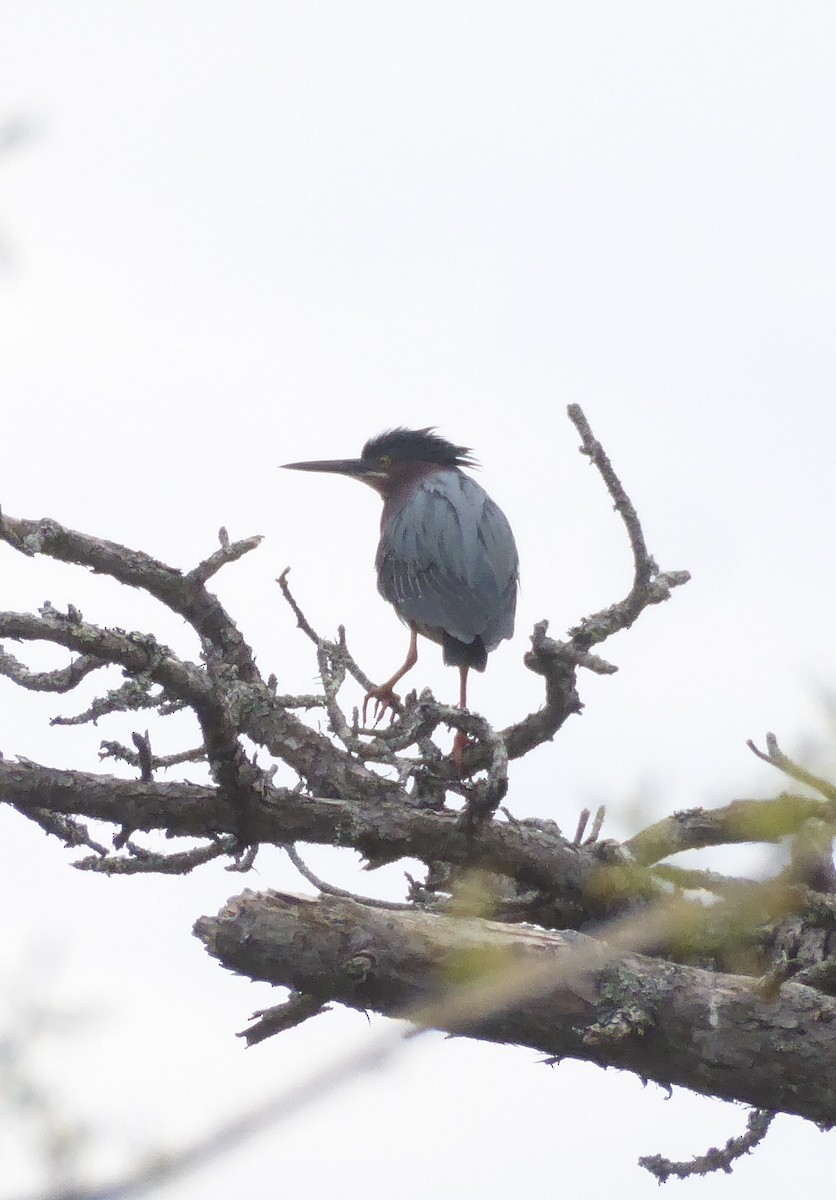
column 447, row 561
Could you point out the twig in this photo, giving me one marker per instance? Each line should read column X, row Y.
column 329, row 889
column 583, row 819
column 132, row 696
column 139, row 653
column 649, row 585
column 243, row 859
column 298, row 1007
column 183, row 594
column 301, row 620
column 645, row 567
column 304, row 700
column 595, row 828
column 557, row 661
column 148, row 862
column 414, row 721
column 337, row 650
column 597, row 825
column 775, row 756
column 229, row 552
column 71, row 832
column 144, row 755
column 692, row 879
column 715, row 1159
column 62, row 680
column 160, row 762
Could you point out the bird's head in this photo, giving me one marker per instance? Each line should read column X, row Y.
column 394, row 459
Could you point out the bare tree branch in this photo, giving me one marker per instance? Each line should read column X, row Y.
column 381, row 829
column 649, row 585
column 183, row 594
column 717, row 1158
column 139, row 861
column 135, row 695
column 583, row 998
column 269, row 1021
column 740, row 821
column 158, row 762
column 776, row 757
column 557, row 662
column 62, row 680
column 328, row 889
column 709, row 1003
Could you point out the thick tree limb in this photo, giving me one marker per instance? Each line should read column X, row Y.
column 674, row 1024
column 379, row 829
column 570, row 885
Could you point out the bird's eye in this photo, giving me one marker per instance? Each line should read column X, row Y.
column 385, row 461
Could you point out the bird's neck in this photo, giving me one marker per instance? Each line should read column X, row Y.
column 404, row 479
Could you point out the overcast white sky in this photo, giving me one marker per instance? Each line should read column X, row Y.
column 242, row 235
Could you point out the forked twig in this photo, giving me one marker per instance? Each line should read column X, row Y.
column 775, row 756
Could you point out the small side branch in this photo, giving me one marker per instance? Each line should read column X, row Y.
column 140, row 861
column 157, row 762
column 141, row 655
column 335, row 653
column 182, row 594
column 132, row 696
column 67, row 829
column 137, row 653
column 229, row 552
column 740, row 821
column 298, row 1008
column 715, row 1159
column 62, row 680
column 775, row 756
column 558, row 661
column 328, row 889
column 645, row 567
column 650, row 586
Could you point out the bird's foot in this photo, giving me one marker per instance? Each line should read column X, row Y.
column 384, row 698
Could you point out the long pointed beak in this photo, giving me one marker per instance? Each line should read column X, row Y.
column 354, row 467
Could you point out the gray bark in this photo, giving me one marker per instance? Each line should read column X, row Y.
column 713, row 1033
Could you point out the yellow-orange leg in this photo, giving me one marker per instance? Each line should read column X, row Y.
column 384, row 695
column 462, row 739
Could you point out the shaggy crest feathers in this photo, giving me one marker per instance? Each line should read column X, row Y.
column 418, row 445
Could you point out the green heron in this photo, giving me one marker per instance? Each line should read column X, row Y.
column 446, row 561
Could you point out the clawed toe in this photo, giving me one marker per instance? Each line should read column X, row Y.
column 384, row 699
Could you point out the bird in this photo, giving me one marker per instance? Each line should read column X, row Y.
column 447, row 561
